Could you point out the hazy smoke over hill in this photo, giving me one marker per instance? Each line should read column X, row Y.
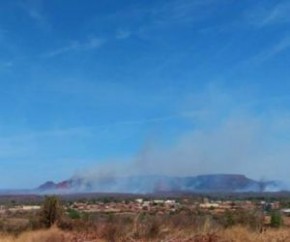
column 229, row 134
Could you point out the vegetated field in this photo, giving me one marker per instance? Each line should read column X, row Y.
column 125, row 218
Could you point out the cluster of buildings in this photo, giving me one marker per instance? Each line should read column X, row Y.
column 136, row 205
column 160, row 206
column 223, row 206
column 170, row 205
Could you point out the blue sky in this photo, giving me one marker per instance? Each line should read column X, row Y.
column 178, row 87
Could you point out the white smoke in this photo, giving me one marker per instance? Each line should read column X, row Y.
column 231, row 133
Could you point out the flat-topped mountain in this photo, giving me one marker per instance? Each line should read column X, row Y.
column 153, row 184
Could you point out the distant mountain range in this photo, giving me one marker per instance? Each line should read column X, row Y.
column 155, row 184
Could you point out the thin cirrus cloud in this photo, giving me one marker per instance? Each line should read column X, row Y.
column 123, row 34
column 264, row 16
column 77, row 46
column 278, row 48
column 32, row 143
column 27, row 144
column 268, row 54
column 5, row 64
column 34, row 9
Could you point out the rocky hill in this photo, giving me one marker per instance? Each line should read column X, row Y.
column 153, row 184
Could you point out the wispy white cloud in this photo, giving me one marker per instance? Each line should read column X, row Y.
column 45, row 143
column 3, row 33
column 123, row 34
column 176, row 11
column 280, row 47
column 267, row 54
column 91, row 44
column 35, row 10
column 274, row 14
column 162, row 14
column 6, row 64
column 159, row 119
column 27, row 144
column 33, row 13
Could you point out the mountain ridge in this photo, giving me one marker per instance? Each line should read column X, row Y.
column 155, row 184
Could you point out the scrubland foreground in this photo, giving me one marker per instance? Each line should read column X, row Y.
column 55, row 222
column 238, row 233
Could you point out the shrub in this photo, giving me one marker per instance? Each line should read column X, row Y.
column 276, row 219
column 73, row 214
column 51, row 211
column 251, row 219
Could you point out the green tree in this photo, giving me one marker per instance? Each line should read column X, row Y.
column 276, row 219
column 229, row 219
column 51, row 211
column 73, row 214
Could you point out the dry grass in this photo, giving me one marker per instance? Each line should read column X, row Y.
column 241, row 234
column 152, row 229
column 235, row 234
column 51, row 235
